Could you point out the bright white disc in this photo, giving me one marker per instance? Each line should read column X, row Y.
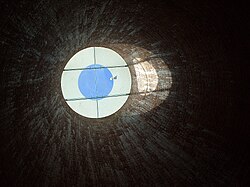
column 99, row 70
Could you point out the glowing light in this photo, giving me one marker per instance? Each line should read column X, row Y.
column 96, row 82
column 151, row 77
column 146, row 76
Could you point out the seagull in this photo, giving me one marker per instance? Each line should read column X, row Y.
column 112, row 78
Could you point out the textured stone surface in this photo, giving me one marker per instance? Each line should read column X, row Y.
column 196, row 136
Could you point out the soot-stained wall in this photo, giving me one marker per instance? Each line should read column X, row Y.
column 197, row 136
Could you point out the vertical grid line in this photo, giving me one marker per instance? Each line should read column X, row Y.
column 94, row 56
column 97, row 107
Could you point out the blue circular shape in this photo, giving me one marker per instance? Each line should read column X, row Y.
column 95, row 82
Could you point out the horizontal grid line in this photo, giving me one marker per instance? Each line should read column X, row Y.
column 117, row 95
column 77, row 69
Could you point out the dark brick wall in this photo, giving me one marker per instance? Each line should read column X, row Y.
column 197, row 136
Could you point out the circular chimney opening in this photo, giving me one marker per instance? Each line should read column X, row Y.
column 96, row 82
